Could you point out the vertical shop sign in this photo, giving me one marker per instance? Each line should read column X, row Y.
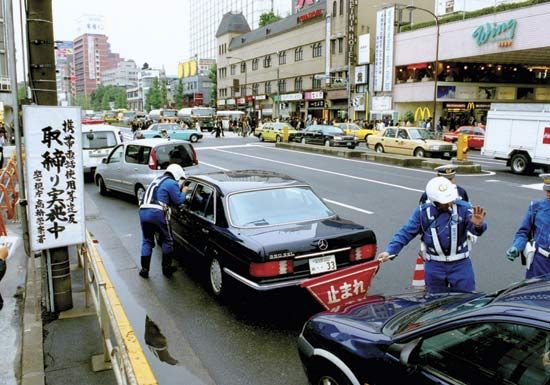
column 379, row 51
column 388, row 49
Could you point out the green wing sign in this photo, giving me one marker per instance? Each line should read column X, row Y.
column 501, row 33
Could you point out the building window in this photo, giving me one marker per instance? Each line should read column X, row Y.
column 233, row 92
column 243, row 90
column 298, row 84
column 254, row 64
column 267, row 61
column 243, row 67
column 317, row 50
column 282, row 57
column 317, row 83
column 255, row 88
column 334, row 8
column 222, row 72
column 341, row 45
column 298, row 54
column 267, row 87
column 332, row 47
column 341, row 7
column 282, row 85
column 232, row 72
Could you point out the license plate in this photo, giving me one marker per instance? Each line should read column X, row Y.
column 349, row 144
column 322, row 264
column 446, row 154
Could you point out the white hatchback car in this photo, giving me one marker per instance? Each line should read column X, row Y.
column 132, row 166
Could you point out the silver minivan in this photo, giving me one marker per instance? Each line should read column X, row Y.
column 132, row 166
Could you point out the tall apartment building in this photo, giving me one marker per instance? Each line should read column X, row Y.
column 63, row 67
column 125, row 74
column 206, row 16
column 137, row 96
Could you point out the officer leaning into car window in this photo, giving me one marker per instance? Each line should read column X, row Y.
column 448, row 171
column 443, row 224
column 535, row 226
column 154, row 215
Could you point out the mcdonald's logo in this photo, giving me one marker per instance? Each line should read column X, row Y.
column 422, row 113
column 471, row 106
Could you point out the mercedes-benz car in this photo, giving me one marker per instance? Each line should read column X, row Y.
column 329, row 136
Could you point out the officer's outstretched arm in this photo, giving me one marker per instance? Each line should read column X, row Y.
column 406, row 234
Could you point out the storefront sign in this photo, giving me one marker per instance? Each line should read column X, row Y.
column 388, row 49
column 316, row 104
column 546, row 136
column 501, row 33
column 337, row 94
column 249, row 98
column 506, row 93
column 463, row 106
column 379, row 51
column 364, row 49
column 466, row 92
column 358, row 102
column 542, row 94
column 291, row 97
column 422, row 113
column 313, row 95
column 310, row 15
column 230, row 102
column 241, row 101
column 55, row 179
column 361, row 76
column 381, row 103
column 221, row 102
column 260, row 97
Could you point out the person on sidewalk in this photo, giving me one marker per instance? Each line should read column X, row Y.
column 154, row 214
column 535, row 227
column 3, row 258
column 447, row 171
column 443, row 225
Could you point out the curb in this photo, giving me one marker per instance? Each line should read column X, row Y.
column 396, row 160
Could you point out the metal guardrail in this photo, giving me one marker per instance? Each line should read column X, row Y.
column 121, row 348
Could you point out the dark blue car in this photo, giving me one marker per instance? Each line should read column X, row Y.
column 457, row 338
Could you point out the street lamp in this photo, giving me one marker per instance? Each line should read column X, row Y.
column 436, row 18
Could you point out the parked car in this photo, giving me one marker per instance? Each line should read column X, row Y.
column 265, row 230
column 328, row 136
column 457, row 338
column 169, row 130
column 273, row 132
column 476, row 136
column 98, row 140
column 359, row 132
column 411, row 141
column 132, row 166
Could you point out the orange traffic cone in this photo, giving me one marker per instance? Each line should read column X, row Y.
column 418, row 274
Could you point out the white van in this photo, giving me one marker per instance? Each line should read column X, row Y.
column 97, row 142
column 228, row 115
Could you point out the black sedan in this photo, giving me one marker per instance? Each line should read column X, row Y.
column 265, row 230
column 329, row 136
column 460, row 338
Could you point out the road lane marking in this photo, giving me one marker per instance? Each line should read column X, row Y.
column 492, row 180
column 211, row 165
column 228, row 146
column 348, row 206
column 534, row 186
column 324, row 171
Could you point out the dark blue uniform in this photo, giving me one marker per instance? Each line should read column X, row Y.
column 536, row 222
column 445, row 234
column 163, row 192
column 462, row 195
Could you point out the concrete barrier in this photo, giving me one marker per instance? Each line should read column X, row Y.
column 397, row 160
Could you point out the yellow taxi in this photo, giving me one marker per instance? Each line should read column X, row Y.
column 273, row 132
column 414, row 141
column 359, row 132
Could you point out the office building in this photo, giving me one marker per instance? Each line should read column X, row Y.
column 123, row 75
column 63, row 68
column 196, row 83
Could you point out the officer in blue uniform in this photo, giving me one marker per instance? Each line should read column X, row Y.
column 443, row 224
column 154, row 215
column 447, row 171
column 535, row 226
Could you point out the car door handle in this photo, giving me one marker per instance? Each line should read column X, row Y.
column 205, row 231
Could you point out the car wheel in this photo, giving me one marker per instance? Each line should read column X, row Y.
column 261, row 137
column 278, row 139
column 327, row 143
column 329, row 374
column 103, row 190
column 140, row 192
column 520, row 164
column 157, row 136
column 217, row 278
column 419, row 152
column 367, row 137
column 379, row 148
column 194, row 139
column 303, row 141
column 351, row 147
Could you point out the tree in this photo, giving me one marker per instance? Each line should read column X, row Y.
column 213, row 76
column 179, row 94
column 268, row 18
column 145, row 66
column 163, row 93
column 104, row 95
column 120, row 99
column 82, row 101
column 153, row 98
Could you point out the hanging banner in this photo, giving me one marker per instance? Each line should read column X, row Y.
column 363, row 56
column 388, row 49
column 379, row 51
column 55, row 177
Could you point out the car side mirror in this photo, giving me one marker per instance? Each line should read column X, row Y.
column 409, row 351
column 104, row 160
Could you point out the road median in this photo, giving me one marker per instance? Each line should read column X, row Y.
column 396, row 160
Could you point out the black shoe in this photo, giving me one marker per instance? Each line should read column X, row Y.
column 144, row 273
column 167, row 272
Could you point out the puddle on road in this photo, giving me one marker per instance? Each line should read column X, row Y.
column 157, row 343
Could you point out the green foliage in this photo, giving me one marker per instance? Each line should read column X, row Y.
column 179, row 94
column 153, row 98
column 83, row 101
column 103, row 95
column 409, row 117
column 163, row 93
column 21, row 93
column 268, row 18
column 213, row 76
column 469, row 15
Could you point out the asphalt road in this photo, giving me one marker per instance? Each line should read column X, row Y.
column 253, row 339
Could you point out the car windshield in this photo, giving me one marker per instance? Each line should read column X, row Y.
column 170, row 113
column 434, row 311
column 329, row 130
column 276, row 206
column 94, row 140
column 417, row 133
column 203, row 112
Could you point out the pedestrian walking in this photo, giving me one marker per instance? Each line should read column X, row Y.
column 533, row 237
column 447, row 171
column 154, row 214
column 3, row 267
column 443, row 225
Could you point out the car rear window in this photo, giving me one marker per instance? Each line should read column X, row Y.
column 94, row 140
column 137, row 154
column 181, row 154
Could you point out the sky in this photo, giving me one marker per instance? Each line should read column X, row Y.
column 154, row 31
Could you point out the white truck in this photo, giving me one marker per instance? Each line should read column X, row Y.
column 519, row 134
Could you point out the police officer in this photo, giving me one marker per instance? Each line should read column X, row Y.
column 154, row 215
column 443, row 224
column 448, row 171
column 535, row 226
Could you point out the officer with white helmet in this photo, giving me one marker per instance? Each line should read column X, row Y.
column 443, row 224
column 154, row 214
column 448, row 171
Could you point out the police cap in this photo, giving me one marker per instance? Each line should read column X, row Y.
column 545, row 181
column 447, row 170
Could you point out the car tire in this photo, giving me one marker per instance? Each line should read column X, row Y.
column 419, row 152
column 278, row 139
column 327, row 143
column 194, row 138
column 303, row 140
column 103, row 190
column 379, row 149
column 351, row 147
column 329, row 374
column 140, row 192
column 217, row 280
column 261, row 137
column 367, row 137
column 157, row 136
column 520, row 164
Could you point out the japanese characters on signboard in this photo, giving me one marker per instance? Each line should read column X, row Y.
column 358, row 101
column 388, row 49
column 361, row 76
column 379, row 51
column 55, row 185
column 363, row 56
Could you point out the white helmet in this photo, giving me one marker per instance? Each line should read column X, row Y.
column 176, row 170
column 441, row 190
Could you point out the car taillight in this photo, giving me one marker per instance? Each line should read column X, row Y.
column 271, row 269
column 153, row 159
column 363, row 252
column 195, row 160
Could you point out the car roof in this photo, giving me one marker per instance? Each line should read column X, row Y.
column 323, row 126
column 99, row 127
column 154, row 142
column 242, row 180
column 533, row 293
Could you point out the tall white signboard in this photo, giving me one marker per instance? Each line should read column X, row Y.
column 379, row 51
column 388, row 49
